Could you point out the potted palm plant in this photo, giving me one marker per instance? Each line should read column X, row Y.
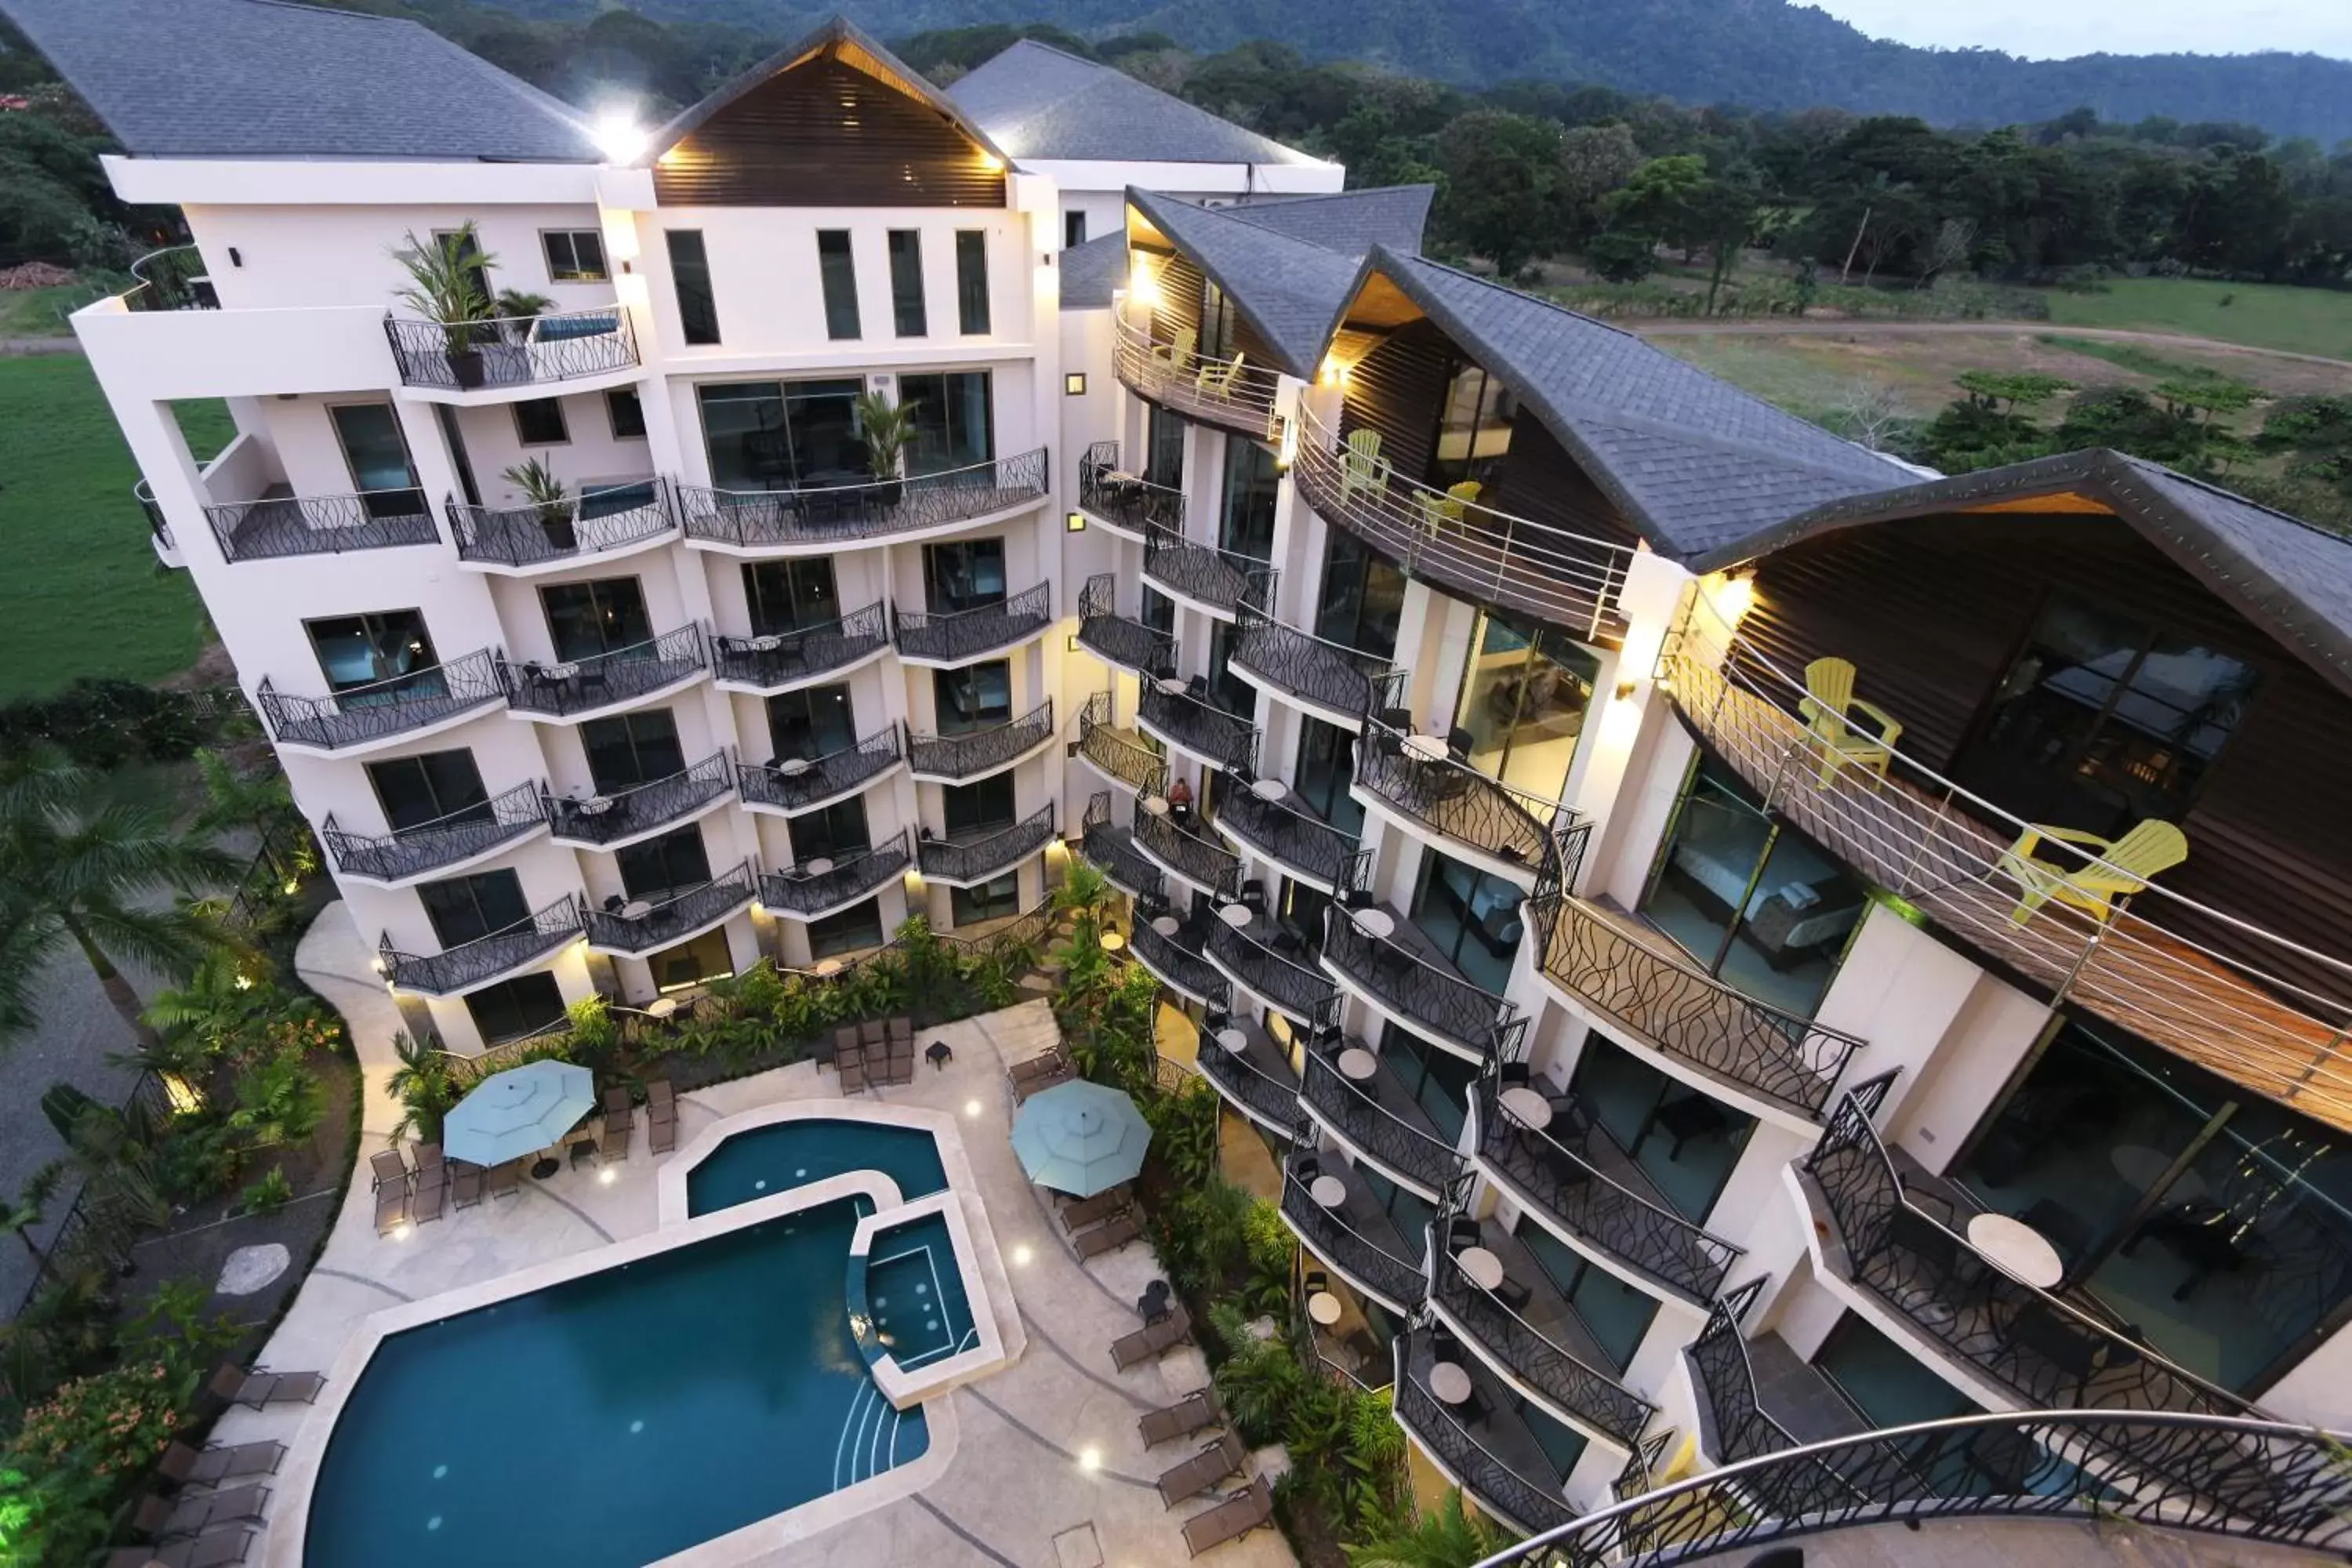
column 550, row 497
column 887, row 428
column 515, row 310
column 445, row 285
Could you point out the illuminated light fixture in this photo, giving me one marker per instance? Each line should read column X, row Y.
column 1735, row 597
column 992, row 162
column 1141, row 287
column 607, row 1176
column 1625, row 689
column 245, row 982
column 1075, row 384
column 1090, row 1459
column 619, row 136
column 1078, row 522
column 971, row 1108
column 1021, row 1255
column 184, row 1097
column 1329, row 374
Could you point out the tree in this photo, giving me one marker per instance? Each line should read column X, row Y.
column 1594, row 161
column 2316, row 435
column 1622, row 256
column 1452, row 1537
column 1868, row 412
column 1500, row 173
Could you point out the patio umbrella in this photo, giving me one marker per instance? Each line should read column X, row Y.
column 1080, row 1138
column 513, row 1113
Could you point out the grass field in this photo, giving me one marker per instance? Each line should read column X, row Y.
column 41, row 312
column 2258, row 315
column 83, row 593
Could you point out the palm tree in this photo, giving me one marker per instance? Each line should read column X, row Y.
column 1449, row 1538
column 80, row 870
column 18, row 1218
column 260, row 800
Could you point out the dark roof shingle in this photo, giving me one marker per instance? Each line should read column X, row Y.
column 1289, row 289
column 1348, row 222
column 1035, row 101
column 1090, row 272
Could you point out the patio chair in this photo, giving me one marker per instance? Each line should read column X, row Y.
column 2127, row 864
column 1828, row 707
column 1152, row 1340
column 1108, row 1236
column 1243, row 1511
column 1175, row 356
column 661, row 1133
column 1362, row 468
column 583, row 1152
column 1204, row 1469
column 844, row 1045
column 386, row 1167
column 185, row 1465
column 505, row 1181
column 899, row 1031
column 617, row 1101
column 465, row 1182
column 619, row 1125
column 391, row 1206
column 432, row 1193
column 870, row 1035
column 259, row 1387
column 1061, row 1073
column 1020, row 1072
column 1216, row 379
column 213, row 1549
column 1452, row 507
column 206, row 1510
column 1196, row 1412
column 660, row 1095
column 1077, row 1216
column 853, row 1074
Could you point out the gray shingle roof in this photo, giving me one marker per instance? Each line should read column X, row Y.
column 1091, row 271
column 1695, row 463
column 259, row 79
column 1288, row 289
column 1037, row 102
column 1350, row 222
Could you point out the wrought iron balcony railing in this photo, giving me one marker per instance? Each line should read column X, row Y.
column 1204, row 573
column 1127, row 502
column 1337, row 678
column 1192, row 856
column 1439, row 1000
column 566, row 687
column 1114, row 753
column 1252, row 1078
column 665, row 921
column 1121, row 639
column 1109, row 847
column 514, row 350
column 1523, row 1501
column 609, row 517
column 1303, row 993
column 978, row 752
column 1328, row 1235
column 977, row 857
column 626, row 813
column 829, row 515
column 455, row 969
column 1226, row 740
column 1177, row 957
column 173, row 279
column 1229, row 393
column 1282, row 832
column 778, row 660
column 279, row 526
column 1559, row 1172
column 1457, row 800
column 968, row 633
column 793, row 783
column 460, row 835
column 144, row 494
column 1570, row 1381
column 1354, row 1111
column 807, row 891
column 359, row 715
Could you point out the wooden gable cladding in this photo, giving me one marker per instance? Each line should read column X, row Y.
column 1178, row 308
column 1541, row 483
column 1397, row 389
column 823, row 133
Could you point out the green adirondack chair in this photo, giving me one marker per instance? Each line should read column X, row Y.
column 1361, row 466
column 2127, row 864
column 1828, row 709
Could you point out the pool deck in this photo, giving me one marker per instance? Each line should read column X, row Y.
column 1046, row 1469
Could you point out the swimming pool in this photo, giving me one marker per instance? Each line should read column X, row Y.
column 762, row 1161
column 907, row 1299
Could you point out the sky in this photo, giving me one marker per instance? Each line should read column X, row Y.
column 2050, row 29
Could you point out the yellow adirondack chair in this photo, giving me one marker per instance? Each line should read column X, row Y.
column 2128, row 862
column 1362, row 468
column 1437, row 511
column 1175, row 356
column 1828, row 709
column 1217, row 377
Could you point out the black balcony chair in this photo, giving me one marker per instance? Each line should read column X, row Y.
column 1513, row 1294
column 1458, row 742
column 1253, row 895
column 2039, row 1329
column 1512, row 1075
column 1461, row 1231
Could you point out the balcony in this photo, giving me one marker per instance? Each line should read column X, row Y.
column 816, row 888
column 511, row 351
column 944, row 641
column 1402, row 974
column 1121, row 640
column 1305, row 994
column 1378, row 1117
column 1119, row 755
column 1177, row 715
column 485, row 959
column 1471, row 552
column 167, row 549
column 1481, row 1444
column 1168, row 838
column 275, row 527
column 1256, row 1079
column 608, row 521
column 462, row 836
column 968, row 859
column 778, row 661
column 1110, row 849
column 1352, row 1233
column 1173, row 950
column 1758, row 1397
column 609, row 821
column 1531, row 1335
column 1274, row 823
column 1641, row 980
column 817, row 519
column 174, row 278
column 1203, row 576
column 361, row 717
column 1572, row 1174
column 575, row 688
column 640, row 926
column 1468, row 813
column 1335, row 684
column 1229, row 393
column 796, row 784
column 976, row 753
column 1123, row 502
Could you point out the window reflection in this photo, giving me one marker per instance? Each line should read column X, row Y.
column 1164, row 434
column 1474, row 429
column 992, row 901
column 963, row 575
column 1470, row 916
column 953, row 429
column 1685, row 1140
column 585, row 619
column 978, row 697
column 1327, row 762
column 855, row 928
column 1438, row 1080
column 1524, row 699
column 773, row 436
column 1364, row 597
column 815, row 722
column 1245, row 526
column 791, row 595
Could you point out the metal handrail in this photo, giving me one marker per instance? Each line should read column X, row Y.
column 978, row 752
column 684, row 911
column 966, row 634
column 1457, row 800
column 275, row 527
column 1111, row 850
column 982, row 856
column 456, row 836
column 1244, row 1082
column 1331, row 1237
column 1302, row 992
column 830, row 514
column 379, row 708
column 1120, row 639
column 1205, row 573
column 1437, row 998
column 1186, row 969
column 172, row 278
column 1227, row 740
column 144, row 494
column 1194, row 857
column 1287, row 835
column 1136, row 505
column 511, row 350
column 806, row 893
column 533, row 534
column 1495, row 1481
column 469, row 964
column 1595, row 1396
column 1138, row 766
column 1231, row 391
column 1328, row 674
column 581, row 685
column 1350, row 1110
column 774, row 659
column 833, row 773
column 642, row 807
column 1723, row 1376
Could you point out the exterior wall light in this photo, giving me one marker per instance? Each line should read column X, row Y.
column 1076, row 523
column 1075, row 384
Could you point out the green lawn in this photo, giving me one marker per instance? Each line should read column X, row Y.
column 41, row 312
column 85, row 595
column 2259, row 315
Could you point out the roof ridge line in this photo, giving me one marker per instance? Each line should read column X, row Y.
column 2237, row 496
column 1521, row 294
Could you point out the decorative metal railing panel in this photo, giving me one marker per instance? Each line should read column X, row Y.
column 1331, row 1237
column 611, row 517
column 1121, row 639
column 837, row 514
column 1458, row 801
column 1192, row 856
column 1439, row 1000
column 1352, row 1113
column 675, row 918
column 779, row 659
column 444, row 841
column 608, row 818
column 1569, row 1187
column 173, row 279
column 1027, row 930
column 968, row 755
column 1226, row 740
column 1232, row 394
column 447, row 972
column 144, row 494
column 968, row 633
column 1181, row 966
column 515, row 351
column 1110, row 849
column 562, row 688
column 1281, row 832
column 280, row 526
column 1301, row 992
column 1129, row 503
column 1525, row 1503
column 803, row 892
column 1687, row 1013
column 978, row 859
column 1137, row 766
column 1593, row 1395
column 379, row 709
column 1241, row 1079
column 1305, row 666
column 1204, row 573
column 794, row 785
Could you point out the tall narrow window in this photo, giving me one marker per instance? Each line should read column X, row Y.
column 1252, row 486
column 906, row 284
column 838, row 273
column 971, row 282
column 690, row 270
column 360, row 650
column 377, row 456
column 1074, row 229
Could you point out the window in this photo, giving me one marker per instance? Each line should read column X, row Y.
column 360, row 650
column 1362, row 602
column 847, row 931
column 815, row 722
column 776, row 436
column 512, row 1008
column 1228, row 691
column 539, row 422
column 1887, row 1384
column 907, row 314
column 1164, row 437
column 631, row 749
column 1074, row 229
column 436, row 787
column 1216, row 321
column 1437, row 1080
column 597, row 617
column 953, row 425
column 574, row 254
column 706, row 957
column 1327, row 764
column 838, row 273
column 1246, row 527
column 469, row 249
column 1618, row 1314
column 963, row 575
column 377, row 456
column 977, row 697
column 1685, row 1139
column 1298, row 912
column 627, row 414
column 447, row 418
column 1524, row 699
column 467, row 909
column 993, row 901
column 971, row 283
column 658, row 869
column 1471, row 917
column 689, row 271
column 1474, row 427
column 790, row 595
column 834, row 832
column 1159, row 611
column 976, row 810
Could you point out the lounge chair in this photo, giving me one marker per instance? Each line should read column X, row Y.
column 208, row 1510
column 213, row 1549
column 259, row 1387
column 659, row 1096
column 505, row 1181
column 1362, row 468
column 1828, row 709
column 1452, row 507
column 869, row 1035
column 465, row 1182
column 1086, row 1211
column 899, row 1031
column 185, row 1465
column 1063, row 1072
column 2127, row 864
column 615, row 1144
column 1204, row 1469
column 661, row 1134
column 1175, row 356
column 617, row 1101
column 388, row 1169
column 1240, row 1512
column 1022, row 1071
column 1196, row 1412
column 1109, row 1237
column 391, row 1206
column 853, row 1074
column 1217, row 377
column 844, row 1045
column 432, row 1184
column 1153, row 1340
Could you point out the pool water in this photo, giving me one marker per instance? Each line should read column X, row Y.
column 617, row 1418
column 766, row 1161
column 915, row 1295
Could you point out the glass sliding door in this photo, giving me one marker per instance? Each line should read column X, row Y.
column 1246, row 525
column 1362, row 602
column 360, row 650
column 954, row 423
column 658, row 869
column 978, row 697
column 788, row 596
column 1438, row 1080
column 1685, row 1140
column 1474, row 427
column 815, row 722
column 1471, row 917
column 631, row 749
column 777, row 435
column 587, row 619
column 467, row 909
column 1327, row 764
column 434, row 787
column 1523, row 705
column 964, row 575
column 377, row 456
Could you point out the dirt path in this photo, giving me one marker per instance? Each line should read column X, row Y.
column 1771, row 328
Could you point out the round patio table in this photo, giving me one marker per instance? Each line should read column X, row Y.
column 2017, row 1249
column 1527, row 1108
column 1375, row 923
column 1480, row 1267
column 818, row 867
column 1323, row 1308
column 1233, row 1040
column 661, row 1008
column 1449, row 1383
column 1269, row 789
column 1358, row 1064
column 1167, row 925
column 1329, row 1192
column 1234, row 915
column 1427, row 748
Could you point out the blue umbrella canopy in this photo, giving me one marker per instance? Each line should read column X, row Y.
column 1080, row 1138
column 513, row 1113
